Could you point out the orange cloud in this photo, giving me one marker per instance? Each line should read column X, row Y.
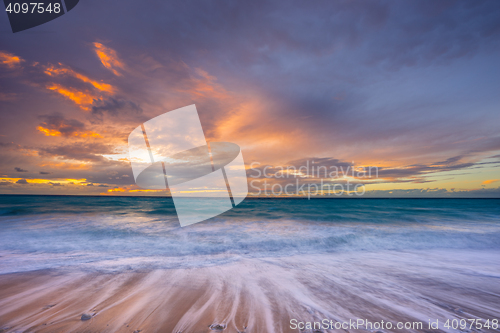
column 487, row 182
column 67, row 166
column 44, row 181
column 127, row 190
column 88, row 134
column 118, row 189
column 83, row 99
column 76, row 181
column 48, row 132
column 53, row 71
column 82, row 134
column 146, row 190
column 108, row 58
column 9, row 60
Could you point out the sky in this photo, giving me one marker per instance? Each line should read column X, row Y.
column 410, row 88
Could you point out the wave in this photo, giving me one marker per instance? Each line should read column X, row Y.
column 99, row 241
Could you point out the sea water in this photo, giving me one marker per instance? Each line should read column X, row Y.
column 116, row 233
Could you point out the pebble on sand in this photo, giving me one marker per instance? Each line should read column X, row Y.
column 217, row 327
column 85, row 316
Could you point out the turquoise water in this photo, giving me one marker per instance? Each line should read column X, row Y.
column 116, row 233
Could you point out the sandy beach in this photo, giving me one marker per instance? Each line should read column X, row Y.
column 258, row 295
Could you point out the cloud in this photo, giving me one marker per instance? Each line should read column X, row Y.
column 420, row 170
column 44, row 173
column 117, row 107
column 118, row 189
column 75, row 86
column 450, row 160
column 67, row 82
column 22, row 181
column 66, row 71
column 491, row 181
column 20, row 170
column 57, row 125
column 434, row 193
column 85, row 152
column 84, row 99
column 316, row 168
column 108, row 58
column 10, row 60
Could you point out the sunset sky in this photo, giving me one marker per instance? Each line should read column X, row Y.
column 411, row 87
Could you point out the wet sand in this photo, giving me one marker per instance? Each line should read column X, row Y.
column 258, row 295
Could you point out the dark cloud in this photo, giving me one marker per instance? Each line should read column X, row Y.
column 22, row 181
column 434, row 193
column 311, row 167
column 20, row 169
column 450, row 160
column 315, row 168
column 44, row 173
column 88, row 152
column 419, row 170
column 57, row 122
column 115, row 107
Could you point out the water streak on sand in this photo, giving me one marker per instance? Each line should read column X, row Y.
column 259, row 294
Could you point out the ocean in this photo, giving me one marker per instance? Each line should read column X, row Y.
column 108, row 233
column 268, row 265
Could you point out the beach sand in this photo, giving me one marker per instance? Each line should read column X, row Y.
column 258, row 294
